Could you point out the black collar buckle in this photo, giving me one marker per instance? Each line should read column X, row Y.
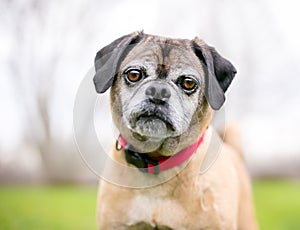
column 141, row 161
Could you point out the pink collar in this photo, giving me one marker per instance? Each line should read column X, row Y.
column 156, row 164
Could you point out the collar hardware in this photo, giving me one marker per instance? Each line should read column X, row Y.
column 155, row 165
column 142, row 161
column 118, row 145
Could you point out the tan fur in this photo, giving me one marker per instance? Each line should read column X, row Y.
column 218, row 199
column 232, row 137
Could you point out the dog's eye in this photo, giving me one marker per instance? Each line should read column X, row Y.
column 133, row 75
column 188, row 84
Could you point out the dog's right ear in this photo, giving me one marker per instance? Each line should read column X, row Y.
column 109, row 58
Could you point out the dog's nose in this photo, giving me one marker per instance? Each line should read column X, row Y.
column 158, row 92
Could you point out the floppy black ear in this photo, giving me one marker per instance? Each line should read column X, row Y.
column 109, row 58
column 219, row 73
column 224, row 70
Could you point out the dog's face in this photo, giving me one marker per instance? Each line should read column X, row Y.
column 161, row 89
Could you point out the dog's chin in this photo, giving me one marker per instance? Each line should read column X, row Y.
column 150, row 128
column 148, row 133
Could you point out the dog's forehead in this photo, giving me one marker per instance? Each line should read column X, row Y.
column 163, row 54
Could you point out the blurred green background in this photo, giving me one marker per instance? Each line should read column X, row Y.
column 73, row 207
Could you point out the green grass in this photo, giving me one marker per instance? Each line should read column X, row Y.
column 277, row 204
column 73, row 207
column 47, row 208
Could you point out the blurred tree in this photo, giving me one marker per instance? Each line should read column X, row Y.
column 40, row 34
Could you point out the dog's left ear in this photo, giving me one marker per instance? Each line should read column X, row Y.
column 109, row 58
column 219, row 73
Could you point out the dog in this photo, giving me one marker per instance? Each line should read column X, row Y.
column 163, row 95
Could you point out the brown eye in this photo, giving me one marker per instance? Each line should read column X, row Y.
column 188, row 84
column 133, row 76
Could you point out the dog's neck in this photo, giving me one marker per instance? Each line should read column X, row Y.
column 153, row 165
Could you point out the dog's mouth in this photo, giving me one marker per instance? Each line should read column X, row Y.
column 151, row 124
column 158, row 116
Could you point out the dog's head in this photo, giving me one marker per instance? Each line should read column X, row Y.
column 162, row 90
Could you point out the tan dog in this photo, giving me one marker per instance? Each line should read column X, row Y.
column 163, row 92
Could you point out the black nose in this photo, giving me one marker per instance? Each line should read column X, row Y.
column 158, row 92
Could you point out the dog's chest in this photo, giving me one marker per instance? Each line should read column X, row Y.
column 178, row 208
column 155, row 210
